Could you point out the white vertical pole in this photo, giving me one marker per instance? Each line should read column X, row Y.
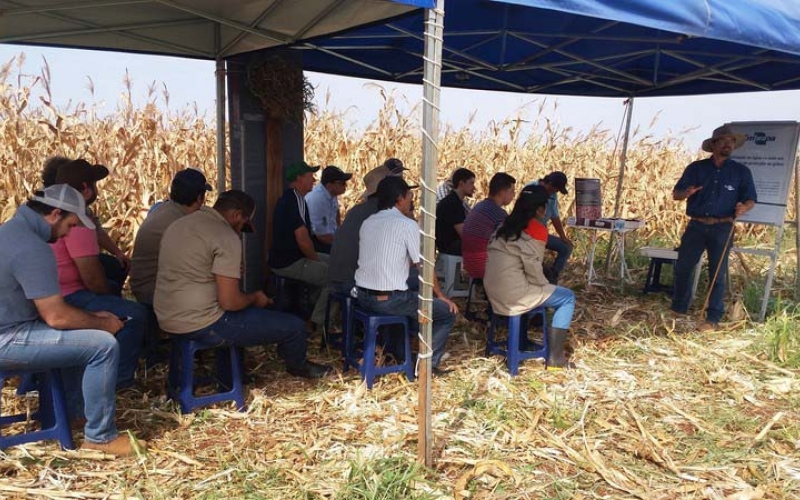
column 434, row 28
column 220, row 75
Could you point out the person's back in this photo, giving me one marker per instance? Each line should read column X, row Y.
column 344, row 251
column 144, row 261
column 193, row 249
column 187, row 194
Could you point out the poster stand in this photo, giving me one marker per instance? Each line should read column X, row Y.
column 770, row 151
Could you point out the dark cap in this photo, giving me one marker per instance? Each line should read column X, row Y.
column 395, row 165
column 558, row 180
column 297, row 169
column 76, row 172
column 333, row 174
column 191, row 181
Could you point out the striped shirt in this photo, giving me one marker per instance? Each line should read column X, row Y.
column 479, row 225
column 389, row 244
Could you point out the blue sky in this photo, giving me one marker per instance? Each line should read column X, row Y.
column 191, row 82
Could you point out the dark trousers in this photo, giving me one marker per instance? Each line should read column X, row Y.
column 253, row 327
column 699, row 238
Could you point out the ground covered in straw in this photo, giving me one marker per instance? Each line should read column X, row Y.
column 654, row 410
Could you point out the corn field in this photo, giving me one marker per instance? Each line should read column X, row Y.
column 143, row 148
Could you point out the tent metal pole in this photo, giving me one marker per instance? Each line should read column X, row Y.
column 220, row 75
column 620, row 179
column 797, row 228
column 431, row 82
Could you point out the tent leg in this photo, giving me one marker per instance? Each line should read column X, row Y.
column 434, row 28
column 620, row 179
column 220, row 75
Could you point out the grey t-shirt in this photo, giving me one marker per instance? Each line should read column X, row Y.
column 27, row 268
column 344, row 252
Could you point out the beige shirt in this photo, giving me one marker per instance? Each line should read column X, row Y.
column 514, row 280
column 194, row 249
column 144, row 261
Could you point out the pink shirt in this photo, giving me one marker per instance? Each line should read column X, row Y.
column 80, row 242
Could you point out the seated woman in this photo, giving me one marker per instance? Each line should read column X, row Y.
column 514, row 279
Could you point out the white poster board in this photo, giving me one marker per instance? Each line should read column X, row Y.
column 769, row 151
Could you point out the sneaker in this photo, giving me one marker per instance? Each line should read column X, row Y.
column 707, row 326
column 309, row 369
column 120, row 447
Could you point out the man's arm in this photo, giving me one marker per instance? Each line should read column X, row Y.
column 62, row 316
column 682, row 194
column 107, row 244
column 559, row 227
column 459, row 228
column 231, row 298
column 304, row 242
column 92, row 274
column 325, row 238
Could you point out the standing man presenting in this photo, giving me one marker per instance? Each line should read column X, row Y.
column 554, row 183
column 717, row 190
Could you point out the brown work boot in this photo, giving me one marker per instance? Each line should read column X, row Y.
column 707, row 326
column 121, row 446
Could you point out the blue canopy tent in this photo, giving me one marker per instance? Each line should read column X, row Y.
column 605, row 48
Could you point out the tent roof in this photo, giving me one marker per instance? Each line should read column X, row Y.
column 637, row 47
column 186, row 28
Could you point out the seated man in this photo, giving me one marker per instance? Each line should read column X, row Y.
column 451, row 212
column 82, row 279
column 482, row 221
column 187, row 194
column 553, row 183
column 344, row 252
column 293, row 254
column 323, row 206
column 388, row 247
column 116, row 263
column 39, row 331
column 197, row 289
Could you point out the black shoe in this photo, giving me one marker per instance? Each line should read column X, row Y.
column 309, row 369
column 440, row 372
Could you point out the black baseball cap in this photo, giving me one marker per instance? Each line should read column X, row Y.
column 333, row 174
column 558, row 180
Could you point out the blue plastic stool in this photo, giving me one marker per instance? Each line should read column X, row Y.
column 372, row 323
column 346, row 305
column 52, row 413
column 182, row 382
column 510, row 348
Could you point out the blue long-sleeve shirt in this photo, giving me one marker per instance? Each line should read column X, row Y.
column 723, row 188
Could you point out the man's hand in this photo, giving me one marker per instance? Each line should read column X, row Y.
column 742, row 208
column 262, row 300
column 111, row 323
column 450, row 304
column 691, row 190
column 123, row 259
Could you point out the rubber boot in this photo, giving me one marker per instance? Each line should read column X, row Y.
column 556, row 359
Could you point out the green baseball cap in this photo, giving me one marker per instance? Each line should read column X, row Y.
column 297, row 169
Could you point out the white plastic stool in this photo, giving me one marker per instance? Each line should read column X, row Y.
column 451, row 279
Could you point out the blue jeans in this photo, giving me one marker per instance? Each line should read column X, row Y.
column 711, row 238
column 406, row 303
column 253, row 327
column 130, row 337
column 563, row 301
column 89, row 361
column 562, row 250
